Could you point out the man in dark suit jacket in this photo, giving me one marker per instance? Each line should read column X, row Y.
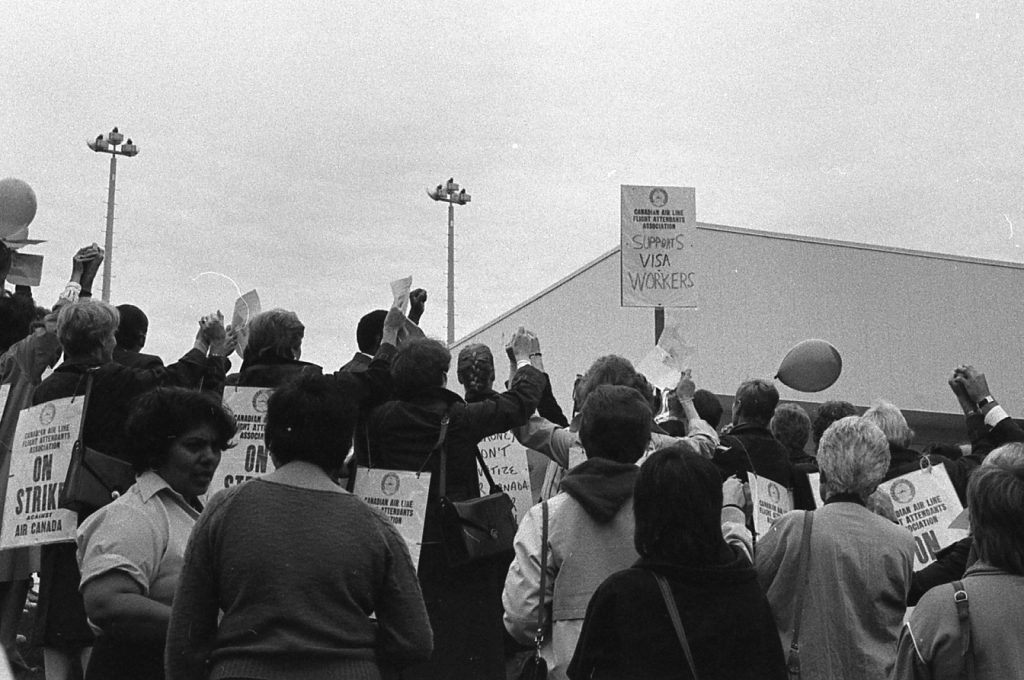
column 131, row 338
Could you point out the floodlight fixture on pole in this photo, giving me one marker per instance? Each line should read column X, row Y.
column 451, row 194
column 108, row 144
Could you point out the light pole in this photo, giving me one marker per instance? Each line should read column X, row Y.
column 108, row 144
column 452, row 195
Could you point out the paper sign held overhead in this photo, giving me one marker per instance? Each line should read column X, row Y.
column 658, row 257
column 26, row 270
column 246, row 307
column 401, row 289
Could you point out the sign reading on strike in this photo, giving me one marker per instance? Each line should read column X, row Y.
column 770, row 499
column 40, row 456
column 506, row 460
column 401, row 496
column 926, row 503
column 658, row 254
column 248, row 458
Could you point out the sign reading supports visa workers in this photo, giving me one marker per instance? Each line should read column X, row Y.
column 770, row 499
column 926, row 503
column 506, row 460
column 40, row 456
column 248, row 458
column 401, row 496
column 658, row 257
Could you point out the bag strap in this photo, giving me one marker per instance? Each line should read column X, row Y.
column 539, row 637
column 85, row 405
column 494, row 488
column 445, row 419
column 803, row 578
column 963, row 613
column 677, row 623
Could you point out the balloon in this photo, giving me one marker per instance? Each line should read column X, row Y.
column 17, row 206
column 811, row 366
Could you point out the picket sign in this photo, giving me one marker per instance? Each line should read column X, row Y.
column 926, row 504
column 5, row 391
column 40, row 456
column 401, row 496
column 510, row 469
column 248, row 459
column 770, row 500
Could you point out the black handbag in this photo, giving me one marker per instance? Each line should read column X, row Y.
column 536, row 668
column 477, row 528
column 94, row 479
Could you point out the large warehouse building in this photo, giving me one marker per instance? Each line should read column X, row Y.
column 902, row 321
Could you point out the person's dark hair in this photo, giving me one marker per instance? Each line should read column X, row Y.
column 995, row 498
column 756, row 401
column 475, row 369
column 615, row 423
column 791, row 425
column 370, row 330
column 677, row 502
column 708, row 407
column 132, row 327
column 157, row 417
column 419, row 365
column 828, row 413
column 311, row 418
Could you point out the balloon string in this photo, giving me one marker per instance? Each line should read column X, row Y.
column 237, row 289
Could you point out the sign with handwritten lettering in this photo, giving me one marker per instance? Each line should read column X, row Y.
column 506, row 460
column 659, row 254
column 40, row 457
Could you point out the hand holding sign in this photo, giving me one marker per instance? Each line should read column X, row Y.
column 685, row 388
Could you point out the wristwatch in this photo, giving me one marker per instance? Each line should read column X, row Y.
column 985, row 401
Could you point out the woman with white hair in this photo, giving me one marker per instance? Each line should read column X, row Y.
column 840, row 575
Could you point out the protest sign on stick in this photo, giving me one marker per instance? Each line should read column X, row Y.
column 40, row 456
column 506, row 459
column 770, row 499
column 926, row 504
column 659, row 255
column 401, row 496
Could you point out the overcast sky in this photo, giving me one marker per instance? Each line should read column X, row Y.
column 287, row 146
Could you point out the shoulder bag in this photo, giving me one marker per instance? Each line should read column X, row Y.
column 477, row 528
column 803, row 579
column 677, row 623
column 94, row 479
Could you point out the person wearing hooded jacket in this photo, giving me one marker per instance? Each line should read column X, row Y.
column 628, row 633
column 590, row 527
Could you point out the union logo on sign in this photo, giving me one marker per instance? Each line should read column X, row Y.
column 902, row 491
column 658, row 197
column 259, row 400
column 47, row 415
column 390, row 484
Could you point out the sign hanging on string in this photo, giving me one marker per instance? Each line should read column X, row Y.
column 926, row 504
column 770, row 500
column 658, row 254
column 401, row 496
column 40, row 456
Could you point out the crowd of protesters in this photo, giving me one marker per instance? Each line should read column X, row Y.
column 637, row 561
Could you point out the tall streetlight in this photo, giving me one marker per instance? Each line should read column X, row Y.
column 452, row 195
column 108, row 144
